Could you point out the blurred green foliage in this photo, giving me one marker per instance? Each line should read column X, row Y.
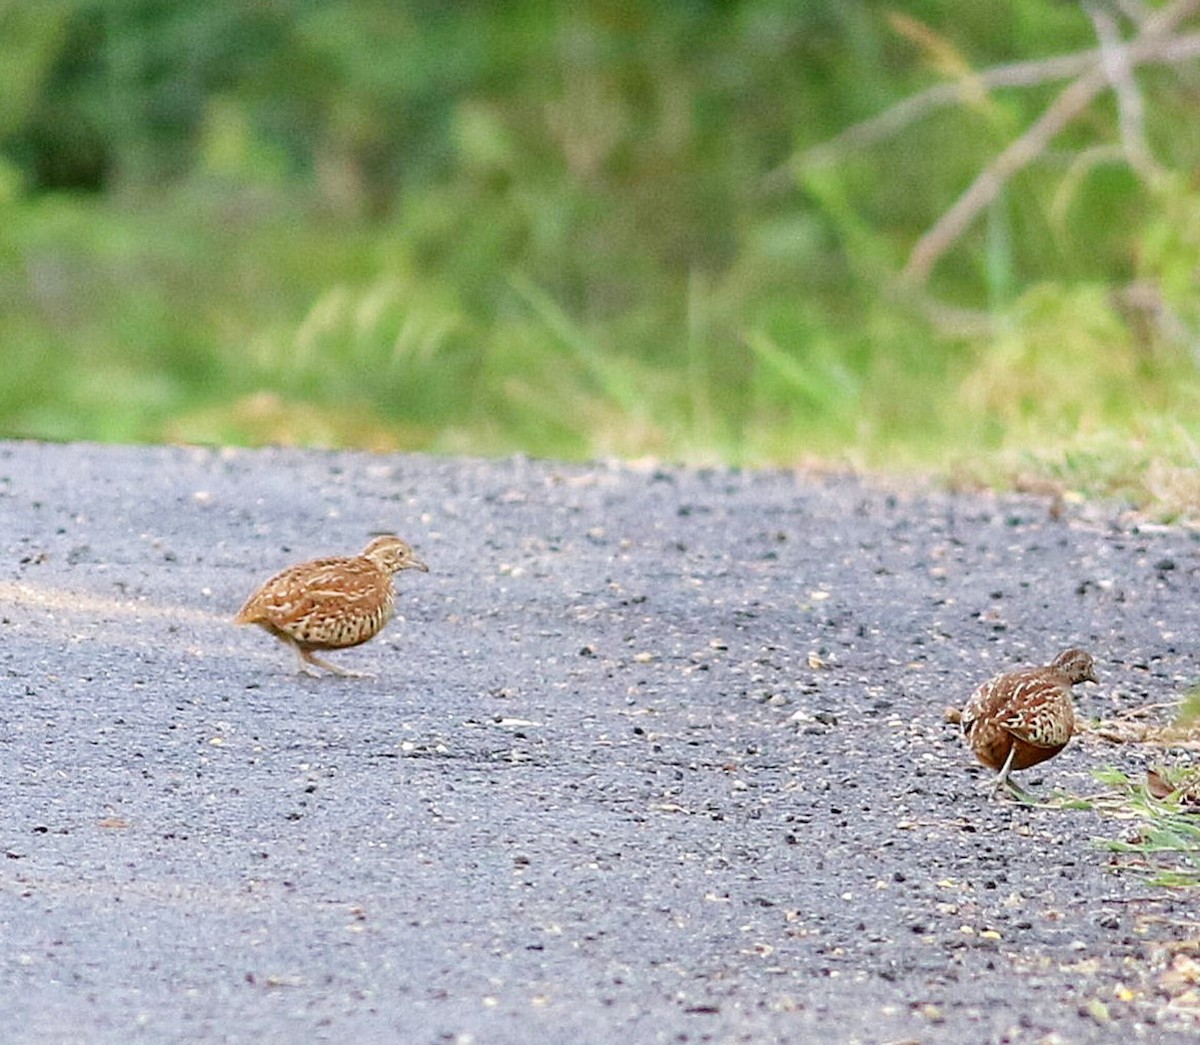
column 590, row 228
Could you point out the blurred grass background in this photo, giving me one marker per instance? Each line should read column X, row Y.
column 582, row 229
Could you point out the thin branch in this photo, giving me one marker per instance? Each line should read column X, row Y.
column 1084, row 162
column 1136, row 11
column 1131, row 112
column 1071, row 101
column 1168, row 18
column 987, row 185
column 1141, row 51
column 894, row 119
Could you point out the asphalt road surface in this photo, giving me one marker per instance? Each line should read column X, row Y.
column 649, row 756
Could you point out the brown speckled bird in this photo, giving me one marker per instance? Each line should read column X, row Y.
column 332, row 603
column 1021, row 718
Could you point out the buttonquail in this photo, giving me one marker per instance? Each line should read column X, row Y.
column 331, row 603
column 1021, row 718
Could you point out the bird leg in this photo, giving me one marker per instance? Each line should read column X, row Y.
column 1003, row 779
column 309, row 656
column 305, row 657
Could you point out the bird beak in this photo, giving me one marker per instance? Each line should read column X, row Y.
column 1092, row 677
column 416, row 564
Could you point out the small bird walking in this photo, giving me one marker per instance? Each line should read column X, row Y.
column 1021, row 718
column 332, row 603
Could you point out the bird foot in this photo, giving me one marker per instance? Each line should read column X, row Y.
column 308, row 660
column 1000, row 787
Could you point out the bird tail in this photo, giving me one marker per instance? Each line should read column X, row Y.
column 246, row 615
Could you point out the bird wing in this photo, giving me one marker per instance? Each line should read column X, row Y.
column 981, row 704
column 1029, row 704
column 295, row 592
column 1040, row 713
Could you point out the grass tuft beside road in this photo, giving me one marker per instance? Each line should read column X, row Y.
column 216, row 319
column 1162, row 813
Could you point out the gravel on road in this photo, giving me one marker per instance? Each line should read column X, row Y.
column 649, row 755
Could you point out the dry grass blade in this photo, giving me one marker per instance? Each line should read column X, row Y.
column 1133, row 727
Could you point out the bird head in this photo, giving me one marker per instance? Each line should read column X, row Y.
column 1076, row 664
column 390, row 553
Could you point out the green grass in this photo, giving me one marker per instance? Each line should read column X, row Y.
column 577, row 232
column 1163, row 834
column 246, row 318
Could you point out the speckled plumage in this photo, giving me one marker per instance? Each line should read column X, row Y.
column 331, row 603
column 1021, row 718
